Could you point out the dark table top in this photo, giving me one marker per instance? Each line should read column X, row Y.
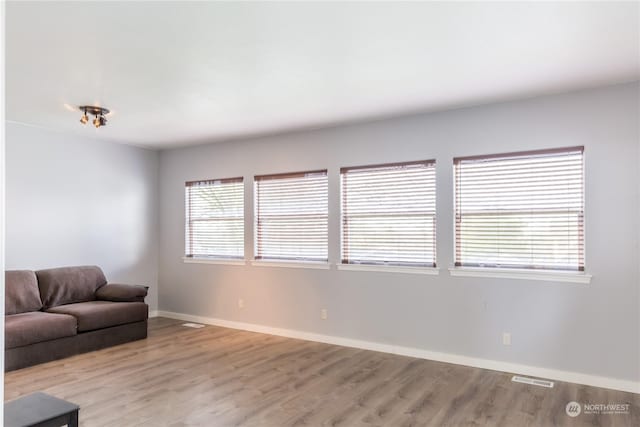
column 35, row 408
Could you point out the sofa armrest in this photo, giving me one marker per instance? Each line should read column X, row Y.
column 122, row 293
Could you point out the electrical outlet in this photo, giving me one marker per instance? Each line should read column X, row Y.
column 506, row 338
column 240, row 303
column 323, row 314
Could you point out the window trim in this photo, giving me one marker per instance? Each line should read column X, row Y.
column 260, row 260
column 520, row 153
column 386, row 165
column 215, row 259
column 572, row 276
column 382, row 265
column 289, row 263
column 284, row 175
column 389, row 268
column 515, row 272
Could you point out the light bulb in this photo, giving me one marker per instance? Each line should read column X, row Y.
column 96, row 122
column 84, row 119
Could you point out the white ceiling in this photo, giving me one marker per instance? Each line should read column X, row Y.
column 183, row 73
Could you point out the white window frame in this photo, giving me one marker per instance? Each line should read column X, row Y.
column 571, row 276
column 383, row 265
column 191, row 258
column 260, row 260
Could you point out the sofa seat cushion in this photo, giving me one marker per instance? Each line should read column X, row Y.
column 34, row 327
column 94, row 315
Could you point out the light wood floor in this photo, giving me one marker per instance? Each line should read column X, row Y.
column 223, row 377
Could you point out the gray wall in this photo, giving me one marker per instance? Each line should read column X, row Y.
column 74, row 201
column 593, row 329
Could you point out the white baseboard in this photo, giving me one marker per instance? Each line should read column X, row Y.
column 154, row 313
column 494, row 365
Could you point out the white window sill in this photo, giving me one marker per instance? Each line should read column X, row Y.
column 218, row 261
column 292, row 264
column 389, row 268
column 514, row 273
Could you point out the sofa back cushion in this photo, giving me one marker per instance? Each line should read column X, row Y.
column 21, row 292
column 68, row 285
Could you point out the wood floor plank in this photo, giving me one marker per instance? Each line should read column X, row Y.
column 222, row 377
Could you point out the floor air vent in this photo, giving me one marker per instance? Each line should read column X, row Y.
column 193, row 325
column 532, row 381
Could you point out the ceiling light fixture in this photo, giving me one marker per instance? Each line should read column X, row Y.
column 98, row 113
column 84, row 119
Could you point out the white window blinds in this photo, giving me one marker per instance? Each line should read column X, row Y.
column 214, row 219
column 291, row 213
column 389, row 214
column 521, row 210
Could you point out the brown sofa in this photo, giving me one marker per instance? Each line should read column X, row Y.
column 55, row 313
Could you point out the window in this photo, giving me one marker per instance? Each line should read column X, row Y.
column 214, row 219
column 389, row 214
column 291, row 213
column 521, row 210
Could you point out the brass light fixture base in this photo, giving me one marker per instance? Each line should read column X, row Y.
column 93, row 110
column 98, row 113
